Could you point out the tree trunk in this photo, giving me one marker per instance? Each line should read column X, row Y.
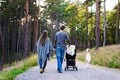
column 21, row 38
column 91, row 39
column 26, row 48
column 57, row 22
column 6, row 37
column 86, row 26
column 117, row 24
column 13, row 39
column 3, row 51
column 35, row 33
column 51, row 33
column 97, row 23
column 104, row 42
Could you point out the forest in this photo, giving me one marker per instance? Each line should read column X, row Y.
column 22, row 21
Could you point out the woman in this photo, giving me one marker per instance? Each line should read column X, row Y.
column 44, row 49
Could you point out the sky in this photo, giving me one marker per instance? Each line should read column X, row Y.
column 109, row 3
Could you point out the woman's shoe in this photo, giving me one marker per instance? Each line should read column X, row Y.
column 41, row 70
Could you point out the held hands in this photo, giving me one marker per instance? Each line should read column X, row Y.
column 48, row 56
column 64, row 59
column 54, row 52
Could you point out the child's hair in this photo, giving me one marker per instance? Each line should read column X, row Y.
column 87, row 50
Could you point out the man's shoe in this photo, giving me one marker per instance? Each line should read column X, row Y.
column 60, row 71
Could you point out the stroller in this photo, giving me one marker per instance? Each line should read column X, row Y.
column 70, row 58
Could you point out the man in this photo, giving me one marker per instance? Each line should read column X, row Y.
column 60, row 40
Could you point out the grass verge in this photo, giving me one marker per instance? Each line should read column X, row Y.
column 11, row 74
column 108, row 56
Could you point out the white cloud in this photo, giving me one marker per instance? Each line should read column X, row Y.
column 110, row 4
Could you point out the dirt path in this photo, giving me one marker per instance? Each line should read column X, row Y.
column 83, row 73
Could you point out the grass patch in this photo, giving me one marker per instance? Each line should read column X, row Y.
column 11, row 74
column 32, row 61
column 108, row 56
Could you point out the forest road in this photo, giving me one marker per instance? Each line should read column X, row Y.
column 83, row 73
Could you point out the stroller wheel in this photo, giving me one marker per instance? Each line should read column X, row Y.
column 65, row 68
column 76, row 68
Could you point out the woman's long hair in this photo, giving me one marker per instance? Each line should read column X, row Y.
column 43, row 37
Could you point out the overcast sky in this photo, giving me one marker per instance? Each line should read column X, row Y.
column 109, row 3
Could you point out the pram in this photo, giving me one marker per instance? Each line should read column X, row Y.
column 70, row 58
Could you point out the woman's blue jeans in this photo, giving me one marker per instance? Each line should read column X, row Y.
column 42, row 65
column 60, row 56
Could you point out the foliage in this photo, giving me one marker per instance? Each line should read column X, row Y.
column 71, row 15
column 54, row 9
column 14, row 8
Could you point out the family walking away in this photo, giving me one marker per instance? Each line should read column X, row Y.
column 44, row 49
column 60, row 41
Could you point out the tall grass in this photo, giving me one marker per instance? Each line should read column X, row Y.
column 108, row 56
column 11, row 74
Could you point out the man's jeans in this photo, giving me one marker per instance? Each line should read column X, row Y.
column 60, row 56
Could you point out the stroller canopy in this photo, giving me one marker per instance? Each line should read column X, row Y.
column 70, row 50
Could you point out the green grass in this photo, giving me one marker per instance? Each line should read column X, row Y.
column 32, row 61
column 108, row 56
column 11, row 74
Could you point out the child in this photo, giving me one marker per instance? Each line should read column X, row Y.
column 88, row 57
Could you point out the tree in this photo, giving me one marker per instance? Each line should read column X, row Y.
column 86, row 26
column 72, row 20
column 3, row 51
column 86, row 6
column 54, row 11
column 26, row 48
column 12, row 28
column 86, row 3
column 104, row 42
column 117, row 23
column 97, row 23
column 35, row 33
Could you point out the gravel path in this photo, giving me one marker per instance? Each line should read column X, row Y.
column 83, row 73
